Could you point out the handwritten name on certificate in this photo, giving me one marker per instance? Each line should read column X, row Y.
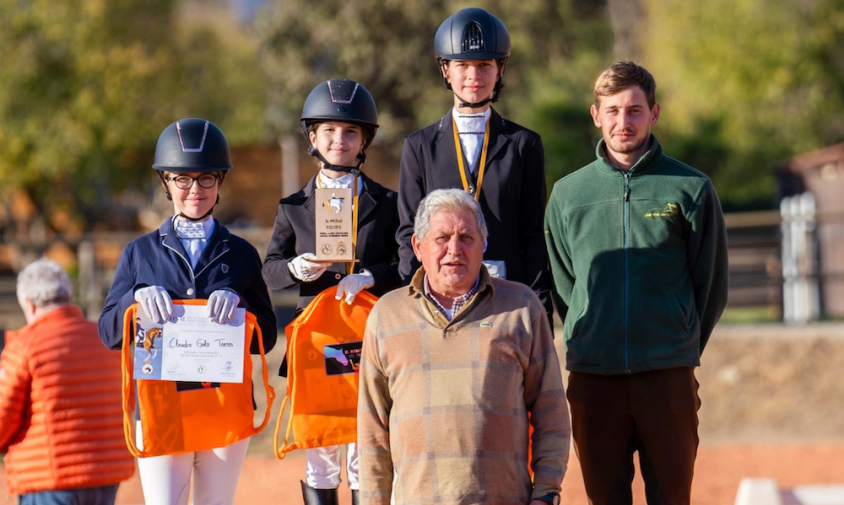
column 190, row 347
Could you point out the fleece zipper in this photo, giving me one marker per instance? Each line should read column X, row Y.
column 626, row 238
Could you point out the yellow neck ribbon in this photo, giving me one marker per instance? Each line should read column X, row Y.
column 459, row 151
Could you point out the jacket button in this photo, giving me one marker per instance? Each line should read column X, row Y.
column 337, row 276
column 190, row 291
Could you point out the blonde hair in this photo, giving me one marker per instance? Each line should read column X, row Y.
column 621, row 75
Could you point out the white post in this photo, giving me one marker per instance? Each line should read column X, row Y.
column 90, row 297
column 289, row 164
column 811, row 268
column 758, row 492
column 798, row 236
column 801, row 294
column 787, row 261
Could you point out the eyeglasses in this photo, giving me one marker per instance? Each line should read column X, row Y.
column 206, row 181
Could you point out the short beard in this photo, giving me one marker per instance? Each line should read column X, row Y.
column 627, row 150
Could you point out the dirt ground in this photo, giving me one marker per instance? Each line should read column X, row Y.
column 770, row 408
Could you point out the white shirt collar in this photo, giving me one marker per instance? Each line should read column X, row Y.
column 471, row 123
column 344, row 181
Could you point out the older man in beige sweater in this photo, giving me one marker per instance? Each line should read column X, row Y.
column 456, row 369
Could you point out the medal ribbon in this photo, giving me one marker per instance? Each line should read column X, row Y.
column 481, row 167
column 350, row 265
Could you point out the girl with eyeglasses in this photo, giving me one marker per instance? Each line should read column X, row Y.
column 191, row 256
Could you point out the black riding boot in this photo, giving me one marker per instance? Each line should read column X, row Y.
column 355, row 497
column 318, row 496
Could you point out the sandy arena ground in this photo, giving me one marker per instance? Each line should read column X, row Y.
column 770, row 408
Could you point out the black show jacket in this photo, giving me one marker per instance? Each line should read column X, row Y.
column 513, row 196
column 376, row 250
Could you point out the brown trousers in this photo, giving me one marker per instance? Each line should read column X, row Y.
column 654, row 413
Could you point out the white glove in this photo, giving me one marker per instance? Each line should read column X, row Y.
column 305, row 267
column 221, row 305
column 156, row 303
column 353, row 284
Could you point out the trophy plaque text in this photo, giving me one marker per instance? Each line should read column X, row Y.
column 334, row 224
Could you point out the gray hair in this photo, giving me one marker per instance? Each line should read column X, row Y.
column 447, row 199
column 44, row 283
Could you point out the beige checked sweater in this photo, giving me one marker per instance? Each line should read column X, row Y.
column 447, row 405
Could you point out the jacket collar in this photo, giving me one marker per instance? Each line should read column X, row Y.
column 499, row 135
column 58, row 313
column 216, row 246
column 652, row 157
column 368, row 200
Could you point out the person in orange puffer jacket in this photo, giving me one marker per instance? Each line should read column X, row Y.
column 61, row 425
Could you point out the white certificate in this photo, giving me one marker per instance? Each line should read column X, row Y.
column 190, row 347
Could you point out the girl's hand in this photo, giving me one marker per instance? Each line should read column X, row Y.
column 221, row 305
column 306, row 268
column 155, row 302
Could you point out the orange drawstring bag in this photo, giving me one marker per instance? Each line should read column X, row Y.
column 174, row 422
column 323, row 356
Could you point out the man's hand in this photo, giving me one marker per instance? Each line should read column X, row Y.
column 548, row 499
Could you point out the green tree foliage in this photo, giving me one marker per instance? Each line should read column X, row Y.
column 743, row 83
column 560, row 87
column 86, row 87
column 384, row 44
column 388, row 46
column 746, row 83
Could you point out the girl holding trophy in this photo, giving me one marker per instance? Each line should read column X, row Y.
column 339, row 120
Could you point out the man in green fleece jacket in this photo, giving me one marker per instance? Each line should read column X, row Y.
column 638, row 250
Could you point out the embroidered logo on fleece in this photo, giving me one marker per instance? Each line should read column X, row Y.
column 670, row 211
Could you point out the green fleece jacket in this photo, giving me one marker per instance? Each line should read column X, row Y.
column 639, row 262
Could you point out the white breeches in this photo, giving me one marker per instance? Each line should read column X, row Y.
column 324, row 465
column 166, row 479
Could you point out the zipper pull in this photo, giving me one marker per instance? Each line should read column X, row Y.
column 626, row 187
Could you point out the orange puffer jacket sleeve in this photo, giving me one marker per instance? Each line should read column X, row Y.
column 61, row 422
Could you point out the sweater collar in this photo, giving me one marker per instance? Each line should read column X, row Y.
column 651, row 158
column 417, row 283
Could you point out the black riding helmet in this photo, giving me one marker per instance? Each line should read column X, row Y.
column 192, row 145
column 473, row 34
column 345, row 101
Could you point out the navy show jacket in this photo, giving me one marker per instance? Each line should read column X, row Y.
column 159, row 259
